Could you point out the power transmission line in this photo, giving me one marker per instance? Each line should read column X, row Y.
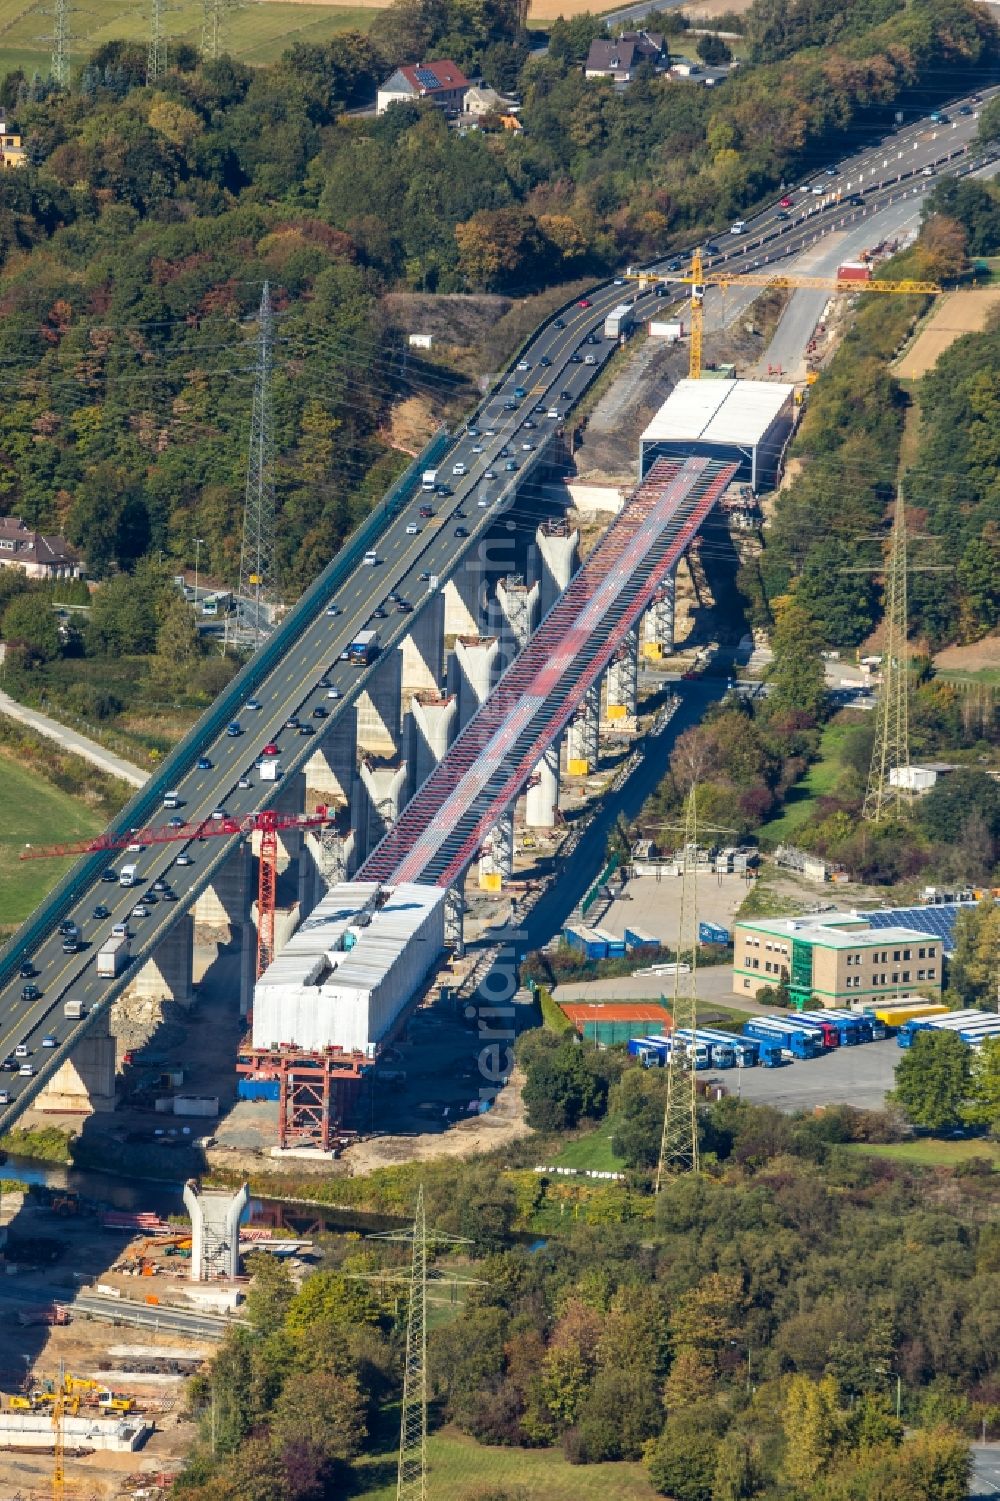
column 257, row 552
column 156, row 54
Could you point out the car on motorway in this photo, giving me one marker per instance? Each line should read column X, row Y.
column 30, row 993
column 176, row 823
column 565, row 395
column 529, row 424
column 101, row 912
column 781, row 214
column 490, row 474
column 527, row 447
column 510, row 466
column 120, row 929
column 204, row 764
column 333, row 693
column 558, row 323
column 484, row 502
column 234, row 729
column 832, row 171
column 403, row 606
column 576, row 359
column 426, row 512
column 965, row 109
column 109, row 874
column 818, row 189
column 170, row 895
column 461, row 531
column 22, row 1050
column 545, row 362
column 66, row 926
column 244, row 782
column 70, row 946
column 160, row 885
column 292, row 723
column 48, row 1041
column 584, row 302
column 510, row 406
column 378, row 613
column 184, row 858
column 4, row 1096
column 592, row 339
column 712, row 249
column 739, row 228
column 477, row 448
column 255, row 703
column 442, row 490
column 306, row 729
column 412, row 529
column 333, row 610
column 458, row 515
column 458, row 469
column 927, row 172
column 271, row 750
column 27, row 970
column 489, row 432
column 786, row 202
column 423, row 578
column 320, row 712
column 520, row 392
column 151, row 898
column 26, row 1071
column 473, row 432
column 218, row 814
column 523, row 365
column 591, row 359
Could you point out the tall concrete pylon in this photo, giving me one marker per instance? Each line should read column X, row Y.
column 215, row 1230
column 558, row 560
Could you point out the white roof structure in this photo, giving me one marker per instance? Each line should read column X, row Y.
column 718, row 411
column 841, row 930
column 341, row 981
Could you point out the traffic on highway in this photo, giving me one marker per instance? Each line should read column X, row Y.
column 421, row 545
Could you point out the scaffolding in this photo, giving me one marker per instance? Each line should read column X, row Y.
column 489, row 764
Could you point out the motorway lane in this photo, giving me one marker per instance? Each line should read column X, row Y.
column 293, row 686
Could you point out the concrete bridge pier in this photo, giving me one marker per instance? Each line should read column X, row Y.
column 659, row 620
column 474, row 673
column 168, row 975
column 463, row 600
column 623, row 679
column 383, row 794
column 519, row 608
column 332, row 770
column 422, row 651
column 583, row 739
column 379, row 707
column 557, row 561
column 433, row 722
column 85, row 1083
column 454, row 916
column 496, row 861
column 542, row 799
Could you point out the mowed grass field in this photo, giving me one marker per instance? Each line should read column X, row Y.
column 930, row 1153
column 32, row 811
column 819, row 781
column 459, row 1467
column 258, row 31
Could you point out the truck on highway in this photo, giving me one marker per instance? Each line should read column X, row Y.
column 112, row 957
column 619, row 321
column 73, row 1011
column 429, row 480
column 363, row 649
column 126, row 876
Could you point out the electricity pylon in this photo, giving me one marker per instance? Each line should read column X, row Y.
column 679, row 1141
column 891, row 751
column 213, row 28
column 411, row 1483
column 60, row 66
column 156, row 52
column 257, row 551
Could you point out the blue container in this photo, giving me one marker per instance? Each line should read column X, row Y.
column 257, row 1089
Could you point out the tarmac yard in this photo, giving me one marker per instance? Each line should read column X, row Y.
column 858, row 1076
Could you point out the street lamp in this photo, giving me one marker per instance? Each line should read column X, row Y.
column 197, row 551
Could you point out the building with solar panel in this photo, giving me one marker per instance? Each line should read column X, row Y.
column 839, row 959
column 443, row 83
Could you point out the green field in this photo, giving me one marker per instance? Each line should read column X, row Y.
column 591, row 1151
column 256, row 32
column 819, row 781
column 931, row 1153
column 32, row 811
column 459, row 1468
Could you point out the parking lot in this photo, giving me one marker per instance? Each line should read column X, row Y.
column 857, row 1076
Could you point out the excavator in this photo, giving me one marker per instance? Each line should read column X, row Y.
column 73, row 1390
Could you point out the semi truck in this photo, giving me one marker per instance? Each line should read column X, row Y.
column 746, row 1050
column 363, row 649
column 112, row 957
column 619, row 321
column 74, row 1011
column 801, row 1042
column 866, row 1028
column 953, row 1022
column 430, row 479
column 721, row 1053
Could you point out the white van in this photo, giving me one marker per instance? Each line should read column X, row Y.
column 371, row 558
column 739, row 227
column 127, row 876
column 171, row 799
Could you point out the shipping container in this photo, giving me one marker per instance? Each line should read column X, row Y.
column 854, row 271
column 257, row 1089
column 587, row 942
column 196, row 1105
column 636, row 941
column 711, row 932
column 614, row 947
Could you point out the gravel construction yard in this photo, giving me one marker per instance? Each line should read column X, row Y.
column 655, row 905
column 857, row 1076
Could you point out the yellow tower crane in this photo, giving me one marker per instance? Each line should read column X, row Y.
column 698, row 279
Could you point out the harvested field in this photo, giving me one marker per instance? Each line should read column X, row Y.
column 957, row 314
column 977, row 657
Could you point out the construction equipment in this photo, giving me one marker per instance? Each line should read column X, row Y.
column 698, row 279
column 267, row 823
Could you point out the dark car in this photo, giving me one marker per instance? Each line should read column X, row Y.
column 459, row 515
column 461, row 531
column 204, row 764
column 712, row 249
column 781, row 214
column 565, row 395
column 378, row 613
column 319, row 712
column 545, row 361
column 576, row 359
column 67, row 926
column 529, row 424
column 426, row 512
column 109, row 874
column 442, row 490
column 306, row 729
column 403, row 606
column 510, row 466
column 592, row 339
column 101, row 912
column 27, row 970
column 30, row 993
column 151, row 898
column 558, row 323
column 170, row 895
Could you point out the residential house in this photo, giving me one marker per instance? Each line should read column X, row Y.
column 41, row 557
column 622, row 58
column 443, row 83
column 12, row 152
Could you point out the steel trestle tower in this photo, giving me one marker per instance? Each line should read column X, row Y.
column 156, row 53
column 60, row 65
column 411, row 1483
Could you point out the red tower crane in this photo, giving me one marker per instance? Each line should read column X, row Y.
column 267, row 823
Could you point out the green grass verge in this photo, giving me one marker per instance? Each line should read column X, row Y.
column 32, row 811
column 988, row 675
column 591, row 1151
column 460, row 1468
column 762, row 901
column 257, row 33
column 819, row 781
column 927, row 1152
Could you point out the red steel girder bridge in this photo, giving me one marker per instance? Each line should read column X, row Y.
column 443, row 826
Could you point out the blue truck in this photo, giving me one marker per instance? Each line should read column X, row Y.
column 746, row 1050
column 719, row 1051
column 801, row 1042
column 953, row 1022
column 653, row 1052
